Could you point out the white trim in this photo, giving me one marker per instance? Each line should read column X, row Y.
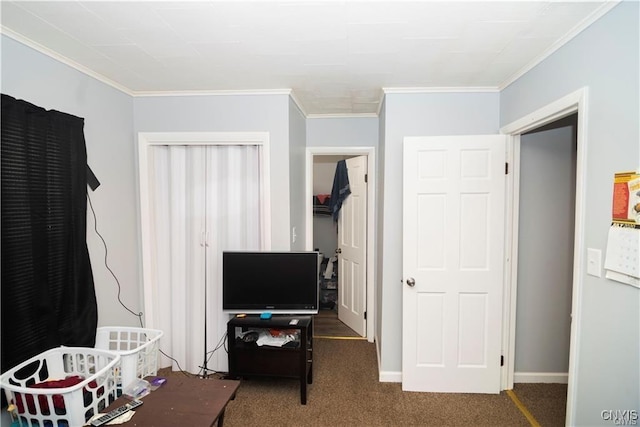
column 556, row 110
column 296, row 101
column 380, row 104
column 146, row 140
column 371, row 218
column 379, row 357
column 442, row 89
column 511, row 258
column 63, row 59
column 542, row 377
column 203, row 138
column 341, row 116
column 390, row 377
column 574, row 102
column 586, row 22
column 157, row 93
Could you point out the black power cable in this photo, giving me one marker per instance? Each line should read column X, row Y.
column 106, row 252
column 140, row 314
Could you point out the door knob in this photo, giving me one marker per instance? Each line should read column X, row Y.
column 411, row 282
column 338, row 251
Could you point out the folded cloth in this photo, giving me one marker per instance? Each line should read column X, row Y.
column 340, row 189
column 58, row 399
column 322, row 208
column 322, row 198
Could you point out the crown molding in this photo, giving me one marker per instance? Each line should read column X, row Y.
column 296, row 101
column 586, row 22
column 160, row 93
column 63, row 59
column 139, row 94
column 380, row 104
column 443, row 89
column 594, row 16
column 342, row 116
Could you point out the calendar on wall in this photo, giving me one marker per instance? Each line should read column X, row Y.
column 622, row 260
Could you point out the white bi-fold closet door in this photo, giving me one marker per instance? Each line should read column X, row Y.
column 202, row 199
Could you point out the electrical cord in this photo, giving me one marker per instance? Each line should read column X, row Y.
column 221, row 343
column 185, row 373
column 140, row 314
column 106, row 252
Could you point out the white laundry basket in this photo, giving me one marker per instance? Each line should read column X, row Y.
column 68, row 405
column 138, row 349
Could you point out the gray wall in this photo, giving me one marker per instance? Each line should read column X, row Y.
column 605, row 59
column 342, row 132
column 353, row 132
column 297, row 176
column 545, row 251
column 416, row 115
column 335, row 132
column 233, row 113
column 236, row 113
column 108, row 128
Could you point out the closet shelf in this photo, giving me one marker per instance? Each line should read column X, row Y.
column 321, row 204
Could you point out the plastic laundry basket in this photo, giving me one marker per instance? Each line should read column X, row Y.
column 64, row 386
column 137, row 347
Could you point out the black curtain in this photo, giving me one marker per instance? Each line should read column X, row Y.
column 48, row 295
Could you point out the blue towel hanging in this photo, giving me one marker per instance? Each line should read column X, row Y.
column 340, row 189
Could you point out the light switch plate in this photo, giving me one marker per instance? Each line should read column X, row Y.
column 594, row 262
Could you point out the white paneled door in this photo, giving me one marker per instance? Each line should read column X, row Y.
column 352, row 248
column 453, row 258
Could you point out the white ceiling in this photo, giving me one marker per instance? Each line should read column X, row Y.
column 337, row 57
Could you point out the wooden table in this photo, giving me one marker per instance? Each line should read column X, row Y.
column 183, row 401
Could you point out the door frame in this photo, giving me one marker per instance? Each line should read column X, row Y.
column 565, row 106
column 146, row 142
column 369, row 152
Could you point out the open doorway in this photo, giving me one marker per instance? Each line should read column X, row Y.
column 326, row 232
column 572, row 104
column 545, row 265
column 346, row 287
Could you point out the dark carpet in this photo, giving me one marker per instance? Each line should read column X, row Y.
column 346, row 392
column 327, row 324
column 546, row 402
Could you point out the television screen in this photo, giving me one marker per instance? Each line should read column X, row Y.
column 277, row 282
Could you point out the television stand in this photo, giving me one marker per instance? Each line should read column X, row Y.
column 247, row 359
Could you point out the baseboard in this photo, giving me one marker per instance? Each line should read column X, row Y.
column 519, row 377
column 541, row 377
column 378, row 356
column 386, row 377
column 390, row 377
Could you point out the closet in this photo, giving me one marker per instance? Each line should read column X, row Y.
column 325, row 230
column 343, row 243
column 198, row 198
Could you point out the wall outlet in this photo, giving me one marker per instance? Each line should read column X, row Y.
column 293, row 235
column 594, row 262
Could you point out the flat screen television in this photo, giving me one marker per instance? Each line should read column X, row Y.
column 267, row 281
